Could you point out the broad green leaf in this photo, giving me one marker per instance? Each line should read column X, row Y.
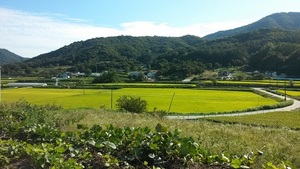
column 145, row 163
column 153, row 146
column 60, row 149
column 235, row 163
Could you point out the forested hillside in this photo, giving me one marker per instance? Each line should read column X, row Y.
column 7, row 57
column 270, row 44
column 264, row 50
column 284, row 21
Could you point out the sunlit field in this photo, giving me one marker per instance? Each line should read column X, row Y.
column 290, row 92
column 274, row 119
column 184, row 100
column 145, row 84
column 274, row 83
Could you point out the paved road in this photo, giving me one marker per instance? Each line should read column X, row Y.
column 294, row 106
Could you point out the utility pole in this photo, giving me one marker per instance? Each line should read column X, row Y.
column 111, row 99
column 171, row 102
column 284, row 89
column 83, row 87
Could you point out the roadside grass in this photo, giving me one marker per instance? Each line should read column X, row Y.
column 278, row 144
column 273, row 119
column 184, row 100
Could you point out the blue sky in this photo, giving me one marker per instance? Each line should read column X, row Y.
column 32, row 27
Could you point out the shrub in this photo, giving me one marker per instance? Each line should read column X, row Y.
column 108, row 77
column 13, row 116
column 132, row 104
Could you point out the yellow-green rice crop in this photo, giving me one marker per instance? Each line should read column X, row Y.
column 290, row 92
column 184, row 101
column 275, row 119
column 274, row 83
column 145, row 84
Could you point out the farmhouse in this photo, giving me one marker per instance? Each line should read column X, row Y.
column 137, row 74
column 65, row 75
column 152, row 74
column 26, row 84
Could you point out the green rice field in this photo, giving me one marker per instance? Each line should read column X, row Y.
column 184, row 100
column 274, row 119
column 275, row 83
column 145, row 84
column 290, row 92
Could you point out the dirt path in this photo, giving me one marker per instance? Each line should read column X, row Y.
column 294, row 106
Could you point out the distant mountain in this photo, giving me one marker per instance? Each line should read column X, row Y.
column 270, row 44
column 7, row 57
column 263, row 49
column 120, row 51
column 284, row 21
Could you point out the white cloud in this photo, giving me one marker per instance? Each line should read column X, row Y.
column 29, row 34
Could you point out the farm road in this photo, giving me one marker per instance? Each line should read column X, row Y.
column 294, row 106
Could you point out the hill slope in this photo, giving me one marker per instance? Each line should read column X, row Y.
column 264, row 49
column 122, row 52
column 178, row 57
column 284, row 21
column 7, row 57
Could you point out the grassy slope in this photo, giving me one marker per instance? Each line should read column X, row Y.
column 278, row 144
column 184, row 101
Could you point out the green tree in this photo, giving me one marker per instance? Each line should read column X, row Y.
column 29, row 70
column 132, row 104
column 88, row 71
column 259, row 76
column 239, row 76
column 108, row 77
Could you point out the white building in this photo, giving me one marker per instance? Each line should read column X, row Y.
column 26, row 84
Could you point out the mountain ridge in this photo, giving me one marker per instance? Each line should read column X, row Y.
column 268, row 49
column 7, row 57
column 283, row 20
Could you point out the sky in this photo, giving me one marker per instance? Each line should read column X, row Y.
column 33, row 27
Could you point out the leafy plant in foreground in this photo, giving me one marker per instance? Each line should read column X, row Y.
column 43, row 145
column 17, row 115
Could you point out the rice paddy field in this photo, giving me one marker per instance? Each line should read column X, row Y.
column 274, row 83
column 273, row 119
column 177, row 100
column 146, row 84
column 295, row 93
